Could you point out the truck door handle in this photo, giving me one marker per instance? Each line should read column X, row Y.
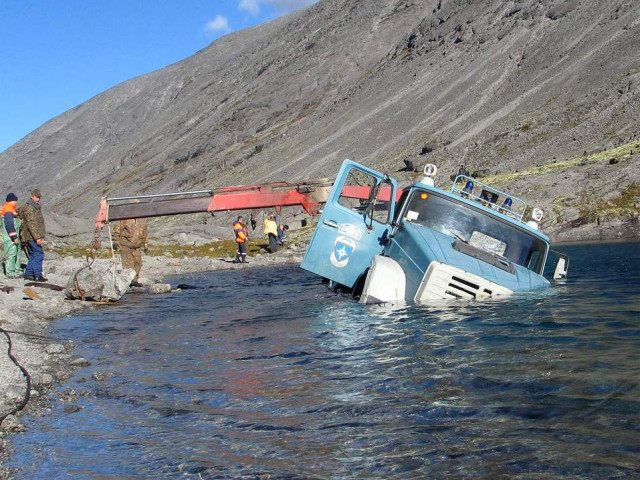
column 330, row 223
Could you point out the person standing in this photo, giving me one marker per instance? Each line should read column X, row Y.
column 131, row 236
column 282, row 228
column 463, row 171
column 33, row 232
column 11, row 237
column 271, row 229
column 240, row 230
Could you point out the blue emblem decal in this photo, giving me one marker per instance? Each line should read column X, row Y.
column 342, row 250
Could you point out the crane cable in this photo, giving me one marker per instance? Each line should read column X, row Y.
column 113, row 255
column 27, row 393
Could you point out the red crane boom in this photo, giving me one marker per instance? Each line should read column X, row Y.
column 308, row 194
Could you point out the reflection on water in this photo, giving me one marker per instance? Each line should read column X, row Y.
column 265, row 374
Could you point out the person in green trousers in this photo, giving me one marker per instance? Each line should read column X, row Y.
column 11, row 237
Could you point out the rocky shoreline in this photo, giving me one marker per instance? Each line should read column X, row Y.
column 29, row 309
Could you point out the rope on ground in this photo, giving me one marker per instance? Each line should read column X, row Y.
column 27, row 393
column 113, row 254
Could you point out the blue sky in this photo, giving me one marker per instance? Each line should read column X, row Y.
column 56, row 54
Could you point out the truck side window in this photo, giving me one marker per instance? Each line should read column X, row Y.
column 382, row 207
column 357, row 191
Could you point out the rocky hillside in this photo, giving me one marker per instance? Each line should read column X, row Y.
column 543, row 96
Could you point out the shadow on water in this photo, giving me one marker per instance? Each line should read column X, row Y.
column 264, row 373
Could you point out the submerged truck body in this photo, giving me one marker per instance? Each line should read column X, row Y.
column 424, row 243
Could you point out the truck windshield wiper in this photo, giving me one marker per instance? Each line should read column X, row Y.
column 456, row 235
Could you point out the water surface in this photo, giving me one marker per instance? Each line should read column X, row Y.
column 264, row 373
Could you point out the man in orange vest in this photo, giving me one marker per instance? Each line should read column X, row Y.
column 11, row 237
column 242, row 235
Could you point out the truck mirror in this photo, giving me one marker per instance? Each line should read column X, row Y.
column 562, row 266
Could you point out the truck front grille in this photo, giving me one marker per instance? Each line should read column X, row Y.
column 445, row 281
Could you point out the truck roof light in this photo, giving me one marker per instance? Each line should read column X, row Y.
column 468, row 187
column 430, row 171
column 537, row 214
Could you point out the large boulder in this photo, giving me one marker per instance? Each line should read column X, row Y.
column 97, row 285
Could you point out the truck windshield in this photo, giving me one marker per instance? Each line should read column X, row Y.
column 485, row 232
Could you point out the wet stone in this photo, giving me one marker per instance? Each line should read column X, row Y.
column 14, row 392
column 80, row 362
column 11, row 424
column 43, row 379
column 159, row 288
column 100, row 376
column 54, row 348
column 72, row 409
column 62, row 375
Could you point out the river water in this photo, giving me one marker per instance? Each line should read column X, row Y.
column 265, row 374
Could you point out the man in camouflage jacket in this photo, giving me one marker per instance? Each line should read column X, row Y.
column 33, row 233
column 131, row 237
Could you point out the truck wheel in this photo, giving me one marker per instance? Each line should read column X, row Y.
column 359, row 285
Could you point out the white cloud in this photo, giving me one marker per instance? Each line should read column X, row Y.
column 218, row 24
column 250, row 6
column 281, row 6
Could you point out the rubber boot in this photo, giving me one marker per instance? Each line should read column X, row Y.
column 237, row 260
column 244, row 258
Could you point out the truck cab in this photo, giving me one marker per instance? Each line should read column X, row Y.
column 425, row 243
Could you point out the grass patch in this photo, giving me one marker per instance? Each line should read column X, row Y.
column 592, row 207
column 624, row 205
column 219, row 249
column 617, row 152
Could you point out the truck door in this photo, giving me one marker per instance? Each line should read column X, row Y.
column 353, row 226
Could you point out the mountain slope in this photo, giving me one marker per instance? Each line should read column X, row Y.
column 502, row 87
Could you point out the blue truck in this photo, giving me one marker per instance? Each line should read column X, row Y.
column 423, row 243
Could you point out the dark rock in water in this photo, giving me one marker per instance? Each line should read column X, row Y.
column 72, row 409
column 186, row 286
column 101, row 376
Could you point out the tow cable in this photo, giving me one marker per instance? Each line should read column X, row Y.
column 27, row 393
